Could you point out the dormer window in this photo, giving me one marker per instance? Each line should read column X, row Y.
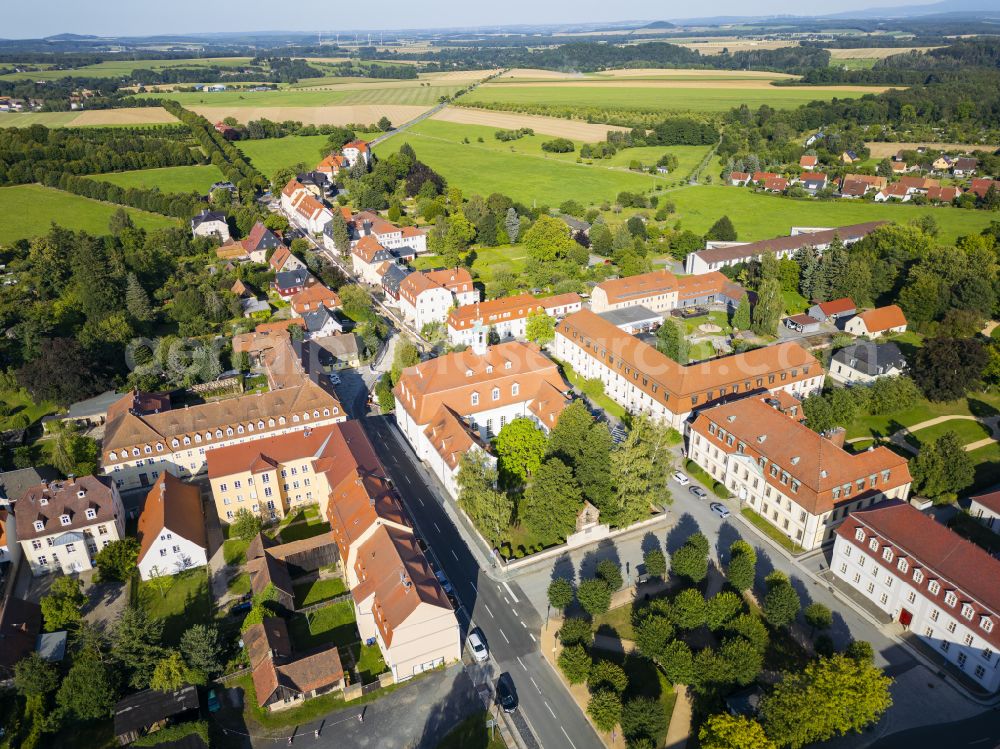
column 506, row 365
column 967, row 611
column 903, row 565
column 91, row 513
column 468, row 373
column 475, row 399
column 887, row 554
column 147, row 449
column 260, row 424
column 39, row 525
column 496, row 394
column 873, row 544
column 135, row 452
column 218, row 434
column 239, row 429
column 986, row 623
column 933, row 587
column 43, row 501
column 174, row 442
column 159, row 445
column 489, row 369
column 64, row 519
column 918, row 576
column 950, row 598
column 229, row 431
column 81, row 494
column 515, row 389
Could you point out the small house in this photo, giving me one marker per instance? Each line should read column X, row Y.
column 775, row 184
column 210, row 223
column 865, row 362
column 965, row 166
column 738, row 179
column 139, row 714
column 986, row 509
column 290, row 282
column 171, row 531
column 808, row 162
column 321, row 322
column 849, row 157
column 833, row 309
column 804, row 324
column 878, row 321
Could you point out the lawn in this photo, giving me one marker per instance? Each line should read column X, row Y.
column 978, row 404
column 234, row 551
column 593, row 389
column 240, row 584
column 185, row 600
column 28, row 210
column 305, row 529
column 315, row 591
column 760, row 216
column 271, row 154
column 485, row 260
column 616, row 622
column 332, row 625
column 369, row 662
column 715, row 317
column 168, row 179
column 536, row 178
column 19, row 402
column 770, row 531
column 472, row 733
column 27, row 119
column 967, row 431
column 700, row 351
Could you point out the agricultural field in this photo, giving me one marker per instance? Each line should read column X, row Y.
column 28, row 210
column 126, row 117
column 168, row 179
column 884, row 150
column 872, row 53
column 116, row 68
column 527, row 75
column 271, row 154
column 371, row 91
column 557, row 126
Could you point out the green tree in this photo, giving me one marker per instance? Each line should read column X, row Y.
column 781, row 602
column 605, row 708
column 725, row 731
column 574, row 662
column 643, row 718
column 519, row 448
column 829, row 697
column 200, row 648
column 89, row 690
column 136, row 639
column 943, row 467
column 742, row 661
column 610, row 572
column 586, row 447
column 639, row 468
column 691, row 560
column 594, row 596
column 653, row 634
column 246, row 525
column 547, row 240
column 607, row 675
column 688, row 609
column 769, row 308
column 117, row 560
column 383, row 391
column 35, row 676
column 600, row 239
column 140, row 309
column 860, row 650
column 62, row 605
column 170, row 673
column 512, row 225
column 491, row 510
column 576, row 631
column 540, row 327
column 722, row 231
column 947, row 368
column 340, row 233
column 405, row 355
column 742, row 565
column 670, row 341
column 561, row 593
column 741, row 315
column 74, row 453
column 722, row 608
column 457, row 237
column 656, row 563
column 551, row 502
column 678, row 663
column 818, row 616
column 752, row 629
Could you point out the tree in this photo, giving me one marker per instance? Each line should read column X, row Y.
column 586, row 447
column 943, row 467
column 642, row 718
column 200, row 647
column 607, row 675
column 752, row 629
column 74, row 453
column 818, row 616
column 246, row 525
column 600, row 239
column 552, row 502
column 136, row 639
column 656, row 563
column 677, row 662
column 561, row 593
column 594, row 595
column 742, row 565
column 62, row 372
column 861, row 651
column 405, row 355
column 722, row 608
column 547, row 240
column 137, row 301
column 769, row 307
column 61, row 606
column 691, row 560
column 946, row 368
column 741, row 315
column 491, row 510
column 540, row 327
column 829, row 697
column 35, row 676
column 688, row 609
column 610, row 572
column 519, row 448
column 117, row 560
column 384, row 124
column 605, row 707
column 576, row 631
column 653, row 634
column 670, row 341
column 340, row 233
column 781, row 602
column 725, row 731
column 722, row 231
column 512, row 225
column 639, row 468
column 574, row 662
column 170, row 673
column 741, row 660
column 89, row 691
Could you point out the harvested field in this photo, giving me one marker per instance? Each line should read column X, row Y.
column 680, row 74
column 360, row 113
column 532, row 73
column 882, row 150
column 134, row 116
column 716, row 47
column 729, row 84
column 873, row 52
column 572, row 129
column 456, row 76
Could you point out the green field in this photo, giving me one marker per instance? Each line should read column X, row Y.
column 28, row 210
column 271, row 154
column 761, row 216
column 967, row 431
column 411, row 94
column 529, row 177
column 26, row 119
column 116, row 68
column 708, row 99
column 168, row 179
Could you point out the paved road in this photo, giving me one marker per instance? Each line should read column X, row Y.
column 510, row 623
column 981, row 732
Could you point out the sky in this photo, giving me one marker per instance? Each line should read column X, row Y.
column 21, row 20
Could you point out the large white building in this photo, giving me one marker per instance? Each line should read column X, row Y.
column 942, row 588
column 171, row 529
column 801, row 482
column 303, row 209
column 662, row 291
column 427, row 296
column 506, row 318
column 642, row 380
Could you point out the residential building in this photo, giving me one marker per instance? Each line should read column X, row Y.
column 986, row 509
column 642, row 380
column 150, row 710
column 833, row 310
column 171, row 530
column 853, row 189
column 808, row 162
column 944, row 194
column 13, row 484
column 321, row 322
column 393, row 278
column 714, row 258
column 982, row 185
column 964, row 166
column 210, row 224
column 388, row 235
column 849, row 157
column 805, row 324
column 506, row 317
column 899, row 167
column 331, row 165
column 289, row 283
column 775, row 184
column 876, row 322
column 283, row 261
column 460, row 401
column 426, row 296
column 894, row 191
column 312, row 298
column 662, row 291
column 315, row 182
column 812, row 182
column 370, row 259
column 801, row 482
column 303, row 208
column 739, row 179
column 577, row 227
column 942, row 588
column 942, row 163
column 337, row 351
column 271, row 565
column 761, row 177
column 918, row 185
column 61, row 525
column 356, row 149
column 560, row 305
column 870, row 181
column 632, row 320
column 865, row 362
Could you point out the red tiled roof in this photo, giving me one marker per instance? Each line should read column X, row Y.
column 741, row 176
column 763, row 176
column 895, row 190
column 292, row 187
column 367, row 247
column 560, row 300
column 494, row 311
column 48, row 502
column 777, row 184
column 837, row 306
column 175, row 506
column 883, row 318
column 808, row 160
column 944, row 194
column 310, row 296
column 991, row 500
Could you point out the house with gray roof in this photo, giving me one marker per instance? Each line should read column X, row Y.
column 866, row 361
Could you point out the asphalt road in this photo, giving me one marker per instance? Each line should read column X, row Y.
column 501, row 611
column 980, row 732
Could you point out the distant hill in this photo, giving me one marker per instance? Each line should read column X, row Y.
column 660, row 25
column 71, row 38
column 949, row 7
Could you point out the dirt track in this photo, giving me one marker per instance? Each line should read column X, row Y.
column 573, row 129
column 342, row 115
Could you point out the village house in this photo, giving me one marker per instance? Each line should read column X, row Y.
column 899, row 167
column 505, row 318
column 61, row 525
column 331, row 165
column 426, row 296
column 210, row 224
column 870, row 181
column 370, row 260
column 321, row 322
column 775, row 184
column 833, row 310
column 409, row 240
column 986, row 509
column 849, row 157
column 762, row 177
column 282, row 259
column 982, row 185
column 801, row 482
column 312, row 298
column 942, row 163
column 944, row 194
column 739, row 179
column 662, row 291
column 259, row 241
column 392, row 280
column 934, row 583
column 865, row 362
column 877, row 322
column 560, row 305
column 303, row 208
column 642, row 380
column 964, row 166
column 895, row 191
column 356, row 149
column 853, row 189
column 808, row 162
column 289, row 283
column 171, row 530
column 812, row 182
column 337, row 351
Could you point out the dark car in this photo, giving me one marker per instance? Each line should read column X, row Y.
column 241, row 607
column 698, row 492
column 422, row 544
column 213, row 702
column 506, row 693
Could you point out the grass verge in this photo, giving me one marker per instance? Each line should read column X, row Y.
column 770, row 531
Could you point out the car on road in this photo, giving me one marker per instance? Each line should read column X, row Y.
column 213, row 702
column 453, row 601
column 506, row 693
column 680, row 478
column 443, row 581
column 697, row 491
column 422, row 544
column 719, row 509
column 478, row 646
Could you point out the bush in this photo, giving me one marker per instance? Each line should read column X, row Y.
column 559, row 145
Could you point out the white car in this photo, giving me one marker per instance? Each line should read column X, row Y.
column 681, row 479
column 478, row 647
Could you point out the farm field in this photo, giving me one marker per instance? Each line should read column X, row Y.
column 557, row 126
column 673, row 74
column 28, row 210
column 524, row 174
column 271, row 154
column 364, row 114
column 372, row 92
column 876, row 53
column 760, row 216
column 168, row 179
column 883, row 150
column 90, row 118
column 114, row 68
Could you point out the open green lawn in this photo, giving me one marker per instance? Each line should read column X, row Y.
column 332, row 625
column 987, row 460
column 760, row 216
column 115, row 68
column 712, row 98
column 529, row 177
column 306, row 529
column 472, row 733
column 168, row 179
column 28, row 210
column 977, row 404
column 271, row 154
column 967, row 431
column 701, row 351
column 19, row 402
column 616, row 622
column 411, row 94
column 369, row 663
column 484, row 260
column 315, row 591
column 234, row 551
column 185, row 600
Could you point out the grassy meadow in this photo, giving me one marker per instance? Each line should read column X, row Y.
column 411, row 94
column 271, row 154
column 115, row 68
column 197, row 178
column 28, row 210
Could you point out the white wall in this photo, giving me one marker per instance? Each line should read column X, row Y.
column 171, row 554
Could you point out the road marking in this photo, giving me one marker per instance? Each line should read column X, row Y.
column 522, row 664
column 420, row 501
column 506, row 601
column 523, row 624
column 567, row 737
column 511, row 592
column 549, row 709
column 532, row 637
column 474, row 588
column 454, row 554
column 501, row 632
column 487, row 609
column 407, row 479
column 535, row 685
column 437, row 527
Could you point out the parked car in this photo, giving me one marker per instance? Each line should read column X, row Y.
column 681, row 479
column 422, row 544
column 213, row 701
column 334, row 379
column 241, row 607
column 478, row 647
column 719, row 509
column 697, row 491
column 506, row 693
column 443, row 581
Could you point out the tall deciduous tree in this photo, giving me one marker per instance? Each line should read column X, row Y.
column 89, row 690
column 594, row 595
column 688, row 609
column 643, row 718
column 575, row 664
column 491, row 510
column 117, row 560
column 741, row 315
column 520, row 447
column 656, row 563
column 742, row 565
column 605, row 708
column 725, row 731
column 946, row 368
column 639, row 468
column 200, row 647
column 781, row 602
column 943, row 467
column 340, row 233
column 540, row 327
column 691, row 560
column 560, row 593
column 62, row 604
column 548, row 239
column 552, row 502
column 769, row 307
column 670, row 341
column 35, row 676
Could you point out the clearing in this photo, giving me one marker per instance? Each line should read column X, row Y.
column 90, row 118
column 271, row 154
column 877, row 53
column 197, row 178
column 572, row 129
column 28, row 210
column 884, row 150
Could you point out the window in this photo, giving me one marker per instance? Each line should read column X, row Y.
column 987, row 654
column 858, row 534
column 475, row 399
column 861, row 561
column 39, row 525
column 884, row 599
column 903, row 565
column 986, row 623
column 950, row 598
column 91, row 513
column 887, row 554
column 934, row 587
column 515, row 389
column 968, row 640
column 163, row 552
column 496, row 394
column 962, row 658
column 967, row 611
column 929, row 632
column 857, row 577
column 934, row 615
column 237, row 484
column 873, row 544
column 223, row 487
column 42, row 560
column 36, row 544
column 847, row 551
column 918, row 576
column 912, row 597
column 176, row 549
column 945, row 645
column 951, row 627
column 102, row 530
column 871, row 587
column 980, row 672
column 64, row 519
column 843, row 568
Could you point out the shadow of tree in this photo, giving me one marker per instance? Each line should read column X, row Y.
column 686, row 527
